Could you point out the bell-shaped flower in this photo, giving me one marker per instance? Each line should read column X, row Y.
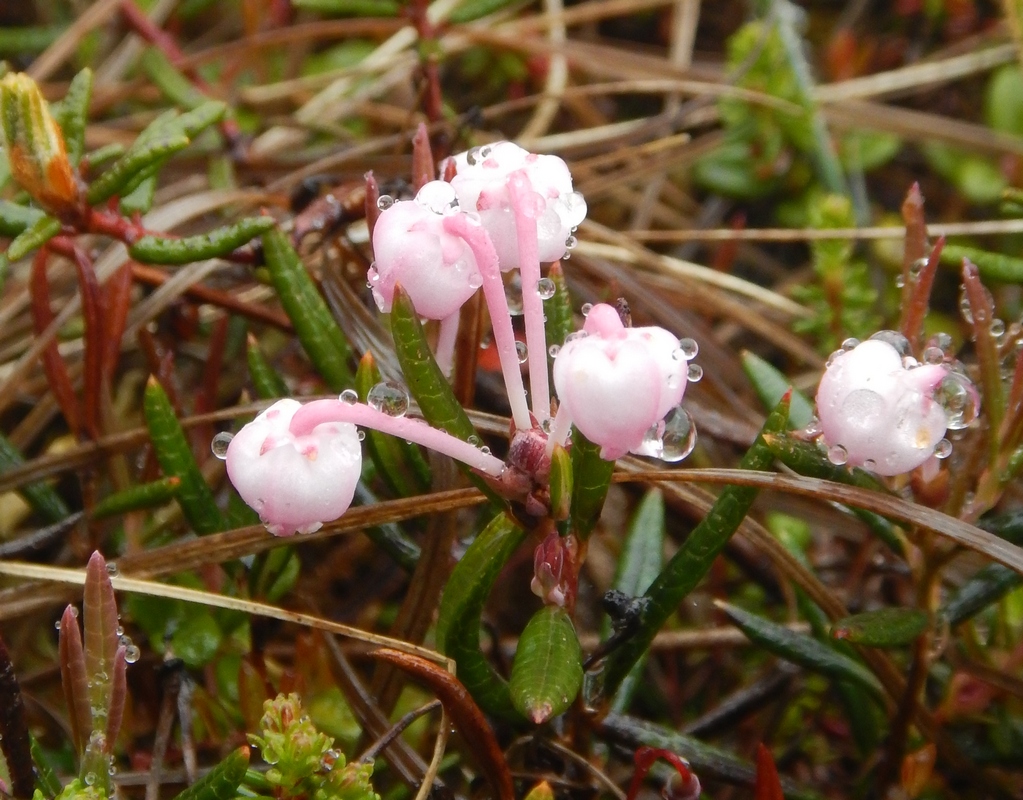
column 615, row 383
column 876, row 412
column 412, row 247
column 481, row 182
column 295, row 483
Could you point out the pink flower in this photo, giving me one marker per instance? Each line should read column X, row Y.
column 615, row 383
column 295, row 483
column 481, row 182
column 876, row 413
column 412, row 248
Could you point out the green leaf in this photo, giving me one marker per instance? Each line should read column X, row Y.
column 145, row 495
column 140, row 198
column 351, row 8
column 198, row 639
column 16, row 218
column 219, row 242
column 591, row 477
column 693, row 559
column 885, row 627
column 137, row 161
column 266, row 380
column 471, row 10
column 47, row 781
column 174, row 86
column 221, row 782
column 987, row 586
column 317, row 330
column 641, row 560
column 771, row 384
column 389, row 536
column 72, row 114
column 33, row 237
column 805, row 651
column 992, row 266
column 461, row 608
column 397, row 461
column 43, row 498
column 176, row 460
column 547, row 672
column 561, row 481
column 807, row 459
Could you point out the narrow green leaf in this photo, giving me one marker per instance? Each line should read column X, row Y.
column 140, row 161
column 176, row 460
column 693, row 559
column 641, row 560
column 140, row 197
column 25, row 39
column 33, row 237
column 992, row 266
column 461, row 607
column 174, row 86
column 191, row 123
column 218, row 242
column 99, row 612
column 101, row 155
column 561, row 481
column 47, row 781
column 43, row 498
column 389, row 536
column 987, row 586
column 547, row 672
column 145, row 495
column 317, row 330
column 16, row 218
column 807, row 459
column 221, row 782
column 591, row 476
column 471, row 10
column 558, row 308
column 72, row 114
column 393, row 457
column 771, row 384
column 803, row 650
column 267, row 382
column 350, row 8
column 885, row 627
column 273, row 574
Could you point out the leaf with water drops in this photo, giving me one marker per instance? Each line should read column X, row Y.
column 547, row 672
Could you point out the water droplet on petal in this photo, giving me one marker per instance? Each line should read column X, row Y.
column 349, row 397
column 474, row 157
column 943, row 449
column 694, row 373
column 837, row 454
column 571, row 242
column 679, row 437
column 220, row 444
column 689, row 348
column 475, row 281
column 545, row 288
column 474, row 440
column 362, row 436
column 553, row 350
column 384, row 202
column 390, row 398
column 521, row 352
column 813, row 429
column 957, row 396
column 850, row 343
column 933, row 355
column 586, row 308
column 870, row 465
column 895, row 339
column 571, row 207
column 485, row 450
column 438, row 197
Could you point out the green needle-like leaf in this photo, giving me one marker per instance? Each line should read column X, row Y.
column 317, row 330
column 72, row 114
column 694, row 558
column 16, row 218
column 771, row 384
column 33, row 237
column 987, row 586
column 591, row 476
column 885, row 627
column 267, row 382
column 218, row 242
column 176, row 460
column 137, row 161
column 547, row 672
column 145, row 495
column 41, row 496
column 221, row 782
column 803, row 650
column 461, row 607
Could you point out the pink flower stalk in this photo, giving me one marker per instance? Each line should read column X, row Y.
column 295, row 482
column 412, row 247
column 481, row 181
column 616, row 383
column 877, row 413
column 298, row 465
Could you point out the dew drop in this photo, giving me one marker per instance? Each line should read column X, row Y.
column 384, row 202
column 997, row 328
column 438, row 197
column 74, row 612
column 220, row 444
column 575, row 336
column 553, row 350
column 957, row 396
column 838, row 454
column 895, row 339
column 571, row 242
column 586, row 308
column 132, row 653
column 545, row 288
column 833, row 357
column 521, row 352
column 689, row 348
column 362, row 436
column 870, row 465
column 90, row 778
column 349, row 397
column 679, row 437
column 390, row 398
column 474, row 157
column 56, row 625
column 933, row 355
column 813, row 429
column 694, row 373
column 850, row 343
column 513, row 291
column 112, row 570
column 943, row 449
column 547, row 426
column 475, row 281
column 917, row 267
column 899, row 281
column 474, row 440
column 964, row 305
column 571, row 208
column 485, row 450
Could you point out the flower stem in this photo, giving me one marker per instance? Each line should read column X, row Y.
column 447, row 337
column 521, row 192
column 560, row 429
column 413, row 430
column 493, row 289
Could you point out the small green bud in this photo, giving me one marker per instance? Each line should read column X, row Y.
column 35, row 145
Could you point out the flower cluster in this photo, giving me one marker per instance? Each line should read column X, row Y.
column 503, row 209
column 880, row 409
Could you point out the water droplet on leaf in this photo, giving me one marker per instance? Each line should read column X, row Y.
column 390, row 398
column 220, row 444
column 349, row 397
column 837, row 454
column 384, row 202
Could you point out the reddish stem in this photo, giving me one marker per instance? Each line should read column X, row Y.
column 53, row 365
column 117, row 302
column 93, row 313
column 644, row 759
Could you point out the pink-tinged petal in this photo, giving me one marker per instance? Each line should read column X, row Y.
column 300, row 482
